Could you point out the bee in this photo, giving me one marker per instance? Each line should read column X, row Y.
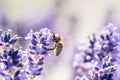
column 57, row 39
column 58, row 43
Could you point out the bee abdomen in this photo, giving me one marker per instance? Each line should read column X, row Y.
column 59, row 47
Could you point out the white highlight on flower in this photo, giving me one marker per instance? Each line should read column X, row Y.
column 2, row 66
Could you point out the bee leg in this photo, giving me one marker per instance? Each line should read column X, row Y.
column 48, row 49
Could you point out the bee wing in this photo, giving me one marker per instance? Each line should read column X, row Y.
column 55, row 52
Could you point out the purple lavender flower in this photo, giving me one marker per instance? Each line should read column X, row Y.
column 105, row 45
column 7, row 39
column 20, row 75
column 10, row 57
column 108, row 42
column 106, row 71
column 40, row 41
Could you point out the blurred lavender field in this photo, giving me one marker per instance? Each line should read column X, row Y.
column 75, row 20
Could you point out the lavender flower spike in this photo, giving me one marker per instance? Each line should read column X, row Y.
column 39, row 42
column 101, row 54
column 10, row 57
